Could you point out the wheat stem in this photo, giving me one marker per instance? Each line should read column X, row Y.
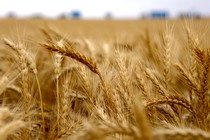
column 41, row 102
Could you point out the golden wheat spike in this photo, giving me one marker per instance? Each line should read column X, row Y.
column 74, row 55
column 171, row 100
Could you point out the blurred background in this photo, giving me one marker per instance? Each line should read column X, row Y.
column 105, row 9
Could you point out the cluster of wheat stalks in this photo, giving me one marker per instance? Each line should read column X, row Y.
column 82, row 91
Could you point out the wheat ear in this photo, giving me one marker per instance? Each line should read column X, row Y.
column 79, row 57
column 27, row 62
column 166, row 59
column 142, row 122
column 171, row 100
column 7, row 124
column 155, row 81
column 181, row 133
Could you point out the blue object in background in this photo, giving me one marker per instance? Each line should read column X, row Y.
column 159, row 14
column 76, row 14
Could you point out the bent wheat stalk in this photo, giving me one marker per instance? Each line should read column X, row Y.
column 171, row 100
column 79, row 57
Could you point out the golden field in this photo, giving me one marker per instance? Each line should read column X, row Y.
column 104, row 80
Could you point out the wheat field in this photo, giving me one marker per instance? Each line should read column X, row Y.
column 104, row 80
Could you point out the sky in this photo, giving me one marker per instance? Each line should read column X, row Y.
column 98, row 8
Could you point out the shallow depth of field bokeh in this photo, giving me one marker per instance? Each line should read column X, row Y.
column 73, row 79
